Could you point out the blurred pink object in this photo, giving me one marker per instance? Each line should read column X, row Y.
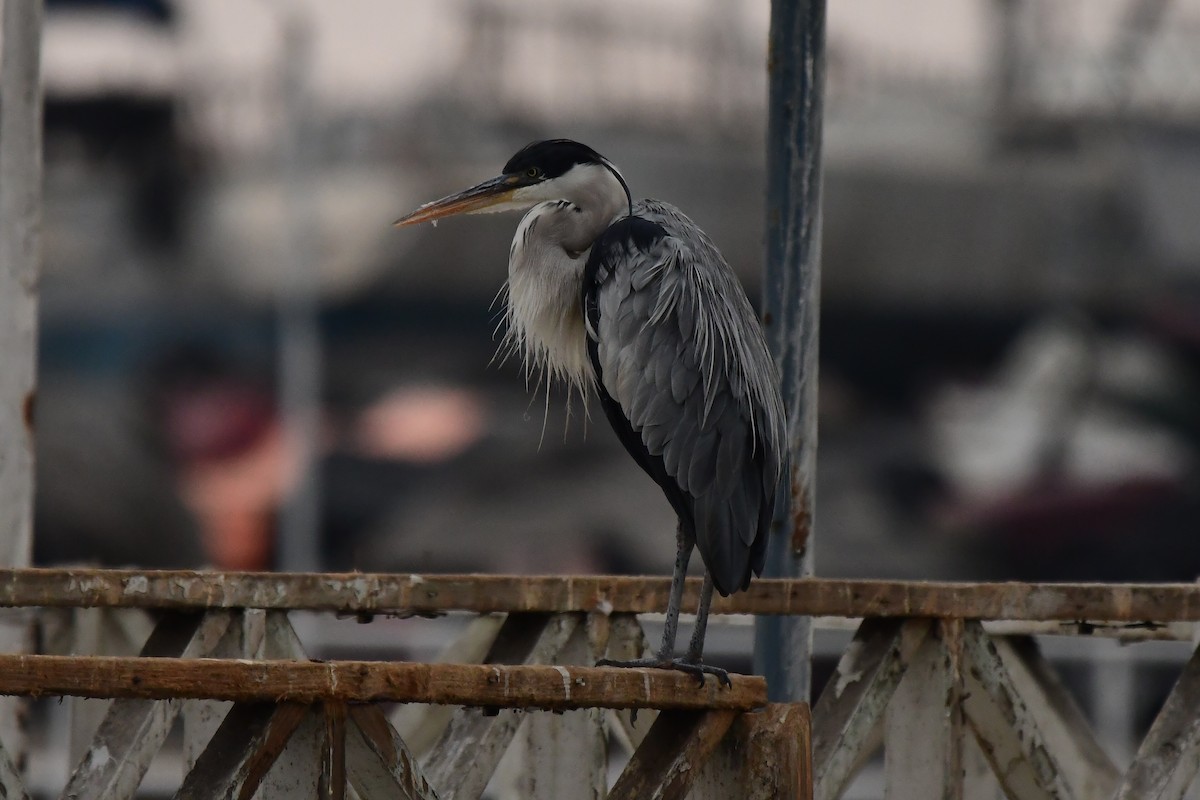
column 422, row 424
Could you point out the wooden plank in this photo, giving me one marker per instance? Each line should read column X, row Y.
column 850, row 710
column 1083, row 764
column 566, row 755
column 627, row 641
column 96, row 632
column 766, row 755
column 1007, row 731
column 296, row 772
column 379, row 763
column 422, row 725
column 1168, row 756
column 465, row 758
column 133, row 730
column 202, row 718
column 242, row 751
column 420, row 594
column 668, row 761
column 923, row 724
column 332, row 783
column 11, row 785
column 477, row 685
column 978, row 781
column 280, row 640
column 20, row 266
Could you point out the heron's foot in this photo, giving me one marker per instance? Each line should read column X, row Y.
column 688, row 665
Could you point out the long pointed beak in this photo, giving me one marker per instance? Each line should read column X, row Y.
column 490, row 193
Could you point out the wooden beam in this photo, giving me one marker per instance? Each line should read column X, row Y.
column 627, row 641
column 1082, row 762
column 378, row 761
column 133, row 729
column 297, row 770
column 566, row 755
column 1008, row 732
column 332, row 782
column 466, row 756
column 669, row 759
column 850, row 710
column 242, row 751
column 11, row 785
column 424, row 594
column 20, row 266
column 923, row 738
column 484, row 685
column 421, row 725
column 766, row 755
column 1166, row 763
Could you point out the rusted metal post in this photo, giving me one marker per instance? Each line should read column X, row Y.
column 20, row 259
column 796, row 66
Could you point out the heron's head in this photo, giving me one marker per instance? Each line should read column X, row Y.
column 555, row 169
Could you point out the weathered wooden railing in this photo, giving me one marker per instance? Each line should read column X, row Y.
column 946, row 678
column 260, row 719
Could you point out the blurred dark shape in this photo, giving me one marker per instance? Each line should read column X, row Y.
column 137, row 134
column 105, row 491
column 130, row 126
column 1139, row 528
column 158, row 11
column 208, row 405
column 1134, row 530
column 217, row 418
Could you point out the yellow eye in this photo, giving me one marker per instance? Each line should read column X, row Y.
column 533, row 172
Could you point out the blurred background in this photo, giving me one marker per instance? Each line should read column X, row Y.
column 244, row 365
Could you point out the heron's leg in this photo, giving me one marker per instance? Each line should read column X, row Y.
column 691, row 662
column 683, row 554
column 665, row 659
column 696, row 645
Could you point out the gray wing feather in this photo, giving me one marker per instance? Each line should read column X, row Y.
column 681, row 352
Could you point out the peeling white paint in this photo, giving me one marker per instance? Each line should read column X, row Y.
column 98, row 757
column 845, row 679
column 566, row 679
column 137, row 584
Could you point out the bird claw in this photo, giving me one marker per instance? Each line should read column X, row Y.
column 688, row 665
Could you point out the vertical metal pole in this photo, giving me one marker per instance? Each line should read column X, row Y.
column 796, row 67
column 299, row 332
column 20, row 261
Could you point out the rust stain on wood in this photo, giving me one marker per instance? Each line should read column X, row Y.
column 29, row 410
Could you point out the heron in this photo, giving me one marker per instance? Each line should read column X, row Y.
column 634, row 301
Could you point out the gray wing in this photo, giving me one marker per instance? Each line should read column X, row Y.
column 685, row 377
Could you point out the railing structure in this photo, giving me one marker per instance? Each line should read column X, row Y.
column 947, row 678
column 262, row 720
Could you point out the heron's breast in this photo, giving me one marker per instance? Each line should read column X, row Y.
column 545, row 314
